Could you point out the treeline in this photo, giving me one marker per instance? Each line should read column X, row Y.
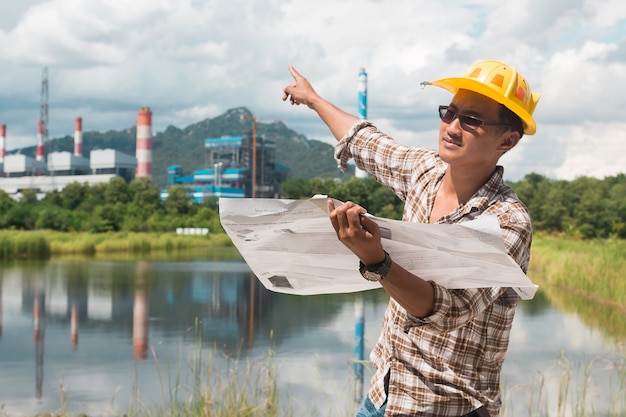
column 108, row 207
column 585, row 207
column 377, row 199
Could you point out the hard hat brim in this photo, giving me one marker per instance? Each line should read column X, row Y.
column 454, row 84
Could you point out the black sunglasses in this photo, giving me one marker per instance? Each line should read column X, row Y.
column 468, row 123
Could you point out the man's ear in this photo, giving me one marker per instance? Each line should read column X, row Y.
column 509, row 140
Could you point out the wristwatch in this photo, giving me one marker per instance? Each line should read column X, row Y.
column 376, row 272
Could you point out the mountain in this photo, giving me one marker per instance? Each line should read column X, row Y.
column 306, row 158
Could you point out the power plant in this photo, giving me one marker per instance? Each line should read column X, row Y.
column 45, row 174
column 235, row 166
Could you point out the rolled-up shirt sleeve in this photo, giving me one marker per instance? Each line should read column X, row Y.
column 342, row 148
column 454, row 308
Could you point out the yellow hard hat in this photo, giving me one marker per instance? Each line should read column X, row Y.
column 499, row 82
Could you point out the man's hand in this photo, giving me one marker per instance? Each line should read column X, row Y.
column 301, row 92
column 357, row 232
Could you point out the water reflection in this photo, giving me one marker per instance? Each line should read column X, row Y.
column 92, row 328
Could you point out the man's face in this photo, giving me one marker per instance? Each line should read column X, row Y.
column 462, row 143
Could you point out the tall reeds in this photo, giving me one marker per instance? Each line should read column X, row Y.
column 19, row 244
column 596, row 388
column 235, row 387
column 42, row 244
column 593, row 268
column 584, row 277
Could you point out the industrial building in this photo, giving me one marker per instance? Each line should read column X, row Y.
column 236, row 167
column 43, row 175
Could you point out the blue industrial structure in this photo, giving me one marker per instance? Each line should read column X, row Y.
column 228, row 170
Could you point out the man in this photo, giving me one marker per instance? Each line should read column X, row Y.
column 440, row 351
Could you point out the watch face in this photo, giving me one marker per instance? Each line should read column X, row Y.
column 371, row 276
column 376, row 272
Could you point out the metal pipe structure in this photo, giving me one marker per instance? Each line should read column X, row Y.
column 362, row 106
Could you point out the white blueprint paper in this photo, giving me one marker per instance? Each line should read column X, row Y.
column 292, row 248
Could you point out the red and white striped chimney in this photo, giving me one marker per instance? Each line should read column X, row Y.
column 78, row 137
column 40, row 151
column 144, row 143
column 3, row 146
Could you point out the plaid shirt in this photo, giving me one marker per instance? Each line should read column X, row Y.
column 446, row 364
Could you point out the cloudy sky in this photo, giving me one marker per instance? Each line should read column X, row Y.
column 192, row 59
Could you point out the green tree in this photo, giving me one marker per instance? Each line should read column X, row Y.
column 553, row 212
column 53, row 217
column 53, row 198
column 117, row 191
column 94, row 197
column 617, row 205
column 146, row 194
column 323, row 187
column 24, row 214
column 178, row 202
column 73, row 195
column 297, row 188
column 6, row 205
column 146, row 202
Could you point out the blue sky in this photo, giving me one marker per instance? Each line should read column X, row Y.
column 189, row 59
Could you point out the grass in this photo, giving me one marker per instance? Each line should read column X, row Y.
column 585, row 278
column 595, row 388
column 240, row 388
column 249, row 389
column 592, row 268
column 42, row 244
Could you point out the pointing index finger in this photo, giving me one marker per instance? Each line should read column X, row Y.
column 295, row 74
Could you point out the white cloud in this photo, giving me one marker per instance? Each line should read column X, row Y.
column 193, row 58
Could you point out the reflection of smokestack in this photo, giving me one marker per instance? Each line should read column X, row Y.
column 78, row 137
column 3, row 147
column 0, row 309
column 39, row 327
column 141, row 313
column 74, row 326
column 40, row 141
column 37, row 323
column 144, row 143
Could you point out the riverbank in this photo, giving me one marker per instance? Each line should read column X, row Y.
column 592, row 269
column 43, row 244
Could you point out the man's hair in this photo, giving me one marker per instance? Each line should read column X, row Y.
column 512, row 119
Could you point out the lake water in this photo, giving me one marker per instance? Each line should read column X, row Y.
column 95, row 336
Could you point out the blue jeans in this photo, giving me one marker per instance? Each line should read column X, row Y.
column 368, row 409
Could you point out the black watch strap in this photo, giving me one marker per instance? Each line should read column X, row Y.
column 376, row 272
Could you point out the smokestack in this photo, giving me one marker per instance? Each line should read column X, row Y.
column 362, row 88
column 40, row 150
column 3, row 148
column 78, row 137
column 362, row 94
column 144, row 143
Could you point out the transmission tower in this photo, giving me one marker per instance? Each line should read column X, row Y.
column 44, row 107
